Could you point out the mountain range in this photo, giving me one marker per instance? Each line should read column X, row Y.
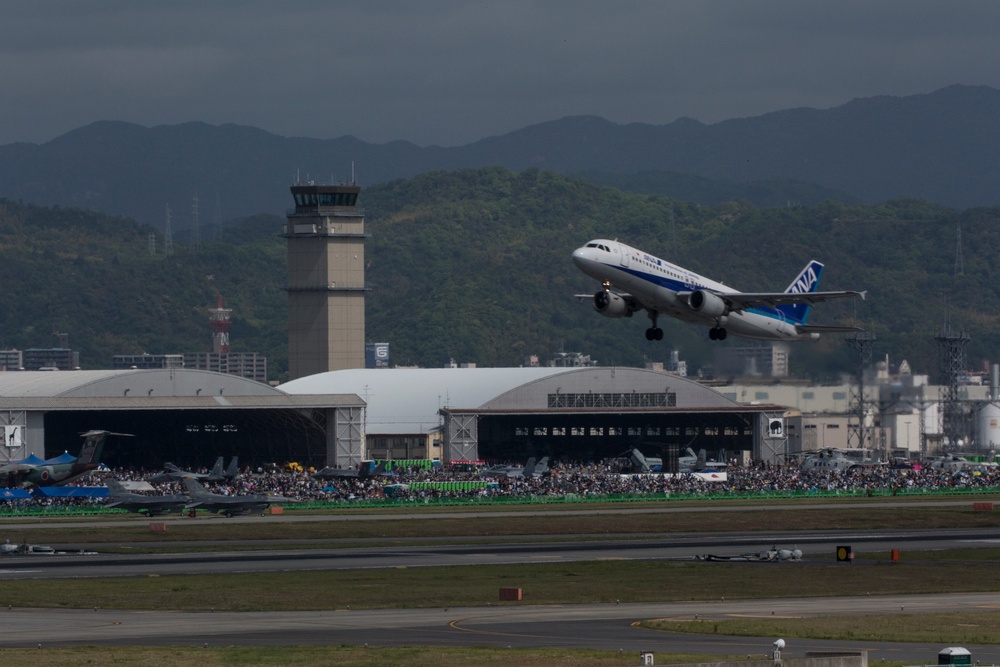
column 474, row 265
column 941, row 147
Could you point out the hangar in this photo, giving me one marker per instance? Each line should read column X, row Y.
column 188, row 417
column 579, row 413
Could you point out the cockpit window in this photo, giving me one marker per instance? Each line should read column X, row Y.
column 599, row 246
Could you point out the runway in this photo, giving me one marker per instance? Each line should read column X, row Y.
column 445, row 552
column 607, row 626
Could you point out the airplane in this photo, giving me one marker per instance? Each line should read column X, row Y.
column 351, row 473
column 138, row 503
column 697, row 462
column 172, row 473
column 659, row 287
column 202, row 498
column 832, row 458
column 58, row 471
column 529, row 469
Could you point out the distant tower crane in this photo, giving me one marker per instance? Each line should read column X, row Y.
column 221, row 319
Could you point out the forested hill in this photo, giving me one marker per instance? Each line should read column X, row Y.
column 941, row 147
column 475, row 265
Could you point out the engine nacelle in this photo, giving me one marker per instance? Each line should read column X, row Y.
column 610, row 304
column 706, row 303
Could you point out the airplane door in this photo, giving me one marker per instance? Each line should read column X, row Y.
column 623, row 252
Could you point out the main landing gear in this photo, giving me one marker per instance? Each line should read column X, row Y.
column 654, row 332
column 717, row 333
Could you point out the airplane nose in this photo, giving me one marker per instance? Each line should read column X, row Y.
column 580, row 256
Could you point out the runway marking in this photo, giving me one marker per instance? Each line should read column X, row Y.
column 454, row 626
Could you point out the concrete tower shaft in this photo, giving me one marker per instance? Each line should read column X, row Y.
column 326, row 280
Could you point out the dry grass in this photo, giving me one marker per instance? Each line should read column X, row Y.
column 478, row 585
column 951, row 629
column 333, row 656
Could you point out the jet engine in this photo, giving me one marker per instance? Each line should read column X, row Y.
column 706, row 303
column 609, row 304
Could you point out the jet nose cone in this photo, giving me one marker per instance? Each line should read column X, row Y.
column 580, row 256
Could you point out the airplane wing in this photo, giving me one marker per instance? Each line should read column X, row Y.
column 634, row 304
column 819, row 328
column 739, row 301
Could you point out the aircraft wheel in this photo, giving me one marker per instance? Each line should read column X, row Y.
column 722, row 334
column 658, row 333
column 713, row 333
column 649, row 334
column 229, row 515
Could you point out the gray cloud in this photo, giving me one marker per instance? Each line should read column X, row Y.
column 453, row 71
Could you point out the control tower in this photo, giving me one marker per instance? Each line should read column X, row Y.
column 326, row 280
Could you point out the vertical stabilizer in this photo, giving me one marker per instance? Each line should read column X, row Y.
column 93, row 445
column 807, row 281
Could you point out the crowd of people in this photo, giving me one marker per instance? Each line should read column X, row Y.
column 563, row 480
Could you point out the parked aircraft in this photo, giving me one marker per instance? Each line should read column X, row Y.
column 831, row 458
column 958, row 463
column 697, row 462
column 529, row 469
column 659, row 287
column 366, row 470
column 172, row 473
column 151, row 505
column 60, row 470
column 202, row 498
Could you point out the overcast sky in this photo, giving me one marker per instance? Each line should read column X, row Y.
column 449, row 72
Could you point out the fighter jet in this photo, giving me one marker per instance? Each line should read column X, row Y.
column 150, row 505
column 202, row 498
column 529, row 469
column 350, row 473
column 60, row 470
column 172, row 473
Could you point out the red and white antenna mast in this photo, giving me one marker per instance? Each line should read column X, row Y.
column 220, row 319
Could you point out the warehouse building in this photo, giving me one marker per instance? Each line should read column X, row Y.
column 589, row 413
column 188, row 417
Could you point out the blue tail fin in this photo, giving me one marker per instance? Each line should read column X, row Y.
column 806, row 281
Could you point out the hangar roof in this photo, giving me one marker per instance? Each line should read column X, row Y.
column 144, row 389
column 407, row 400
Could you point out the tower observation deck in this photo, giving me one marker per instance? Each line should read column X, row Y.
column 326, row 280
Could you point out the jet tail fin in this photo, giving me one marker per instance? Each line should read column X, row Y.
column 115, row 487
column 216, row 472
column 807, row 281
column 233, row 468
column 194, row 488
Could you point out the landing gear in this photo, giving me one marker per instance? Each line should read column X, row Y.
column 717, row 333
column 654, row 332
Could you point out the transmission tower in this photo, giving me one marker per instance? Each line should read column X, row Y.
column 953, row 362
column 168, row 236
column 959, row 262
column 152, row 244
column 859, row 434
column 195, row 223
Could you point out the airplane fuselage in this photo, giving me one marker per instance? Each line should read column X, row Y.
column 668, row 289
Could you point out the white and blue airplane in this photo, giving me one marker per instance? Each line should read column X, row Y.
column 633, row 280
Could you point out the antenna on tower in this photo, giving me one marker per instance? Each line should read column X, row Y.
column 220, row 318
